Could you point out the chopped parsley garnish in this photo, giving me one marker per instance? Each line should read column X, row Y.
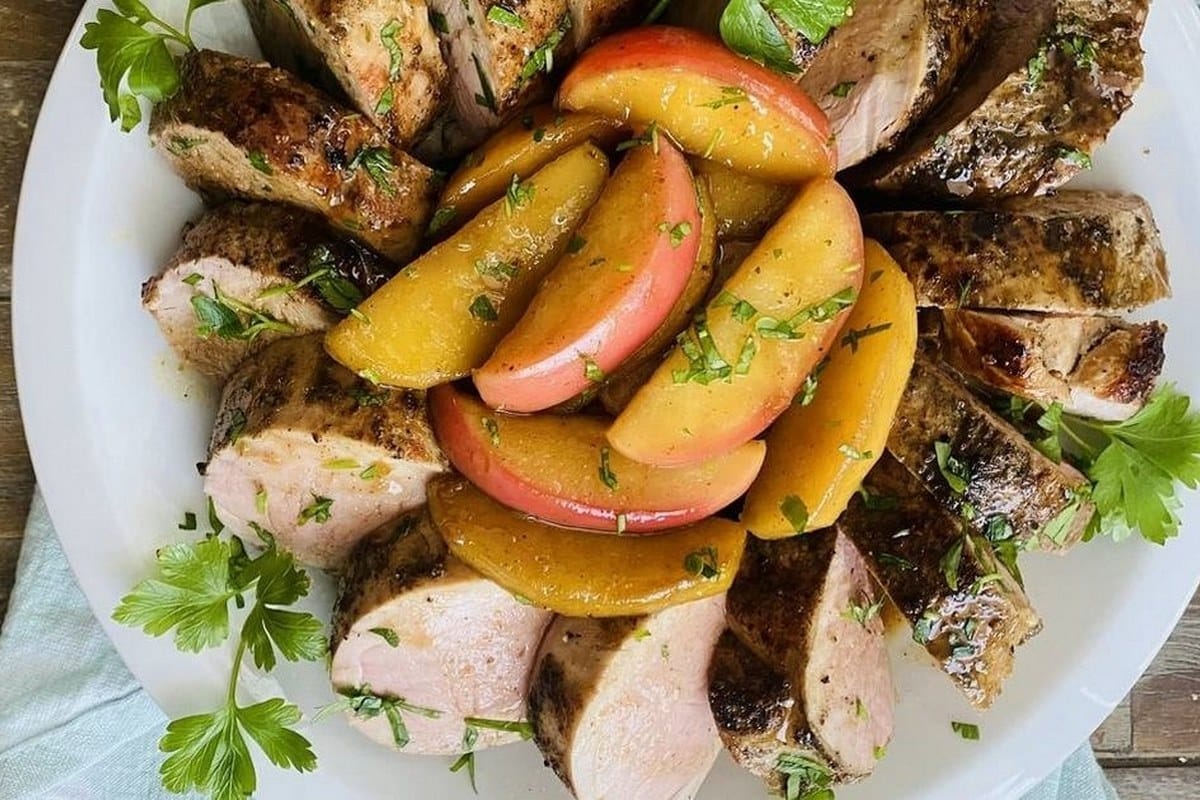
column 824, row 311
column 493, row 430
column 258, row 160
column 703, row 563
column 193, row 279
column 746, row 356
column 365, row 399
column 705, row 363
column 371, row 473
column 863, row 614
column 388, row 635
column 679, row 231
column 641, row 635
column 1075, row 157
column 730, row 95
column 502, row 16
column 189, row 522
column 260, row 502
column 364, row 704
column 741, row 310
column 542, row 58
column 438, row 21
column 860, row 709
column 951, row 563
column 318, row 511
column 499, row 271
column 467, row 757
column 482, row 308
column 853, row 453
column 749, row 26
column 387, row 99
column 852, row 338
column 877, row 502
column 607, row 476
column 377, row 162
column 795, row 512
column 591, row 370
column 339, row 464
column 340, row 294
column 486, row 96
column 647, row 137
column 955, row 471
column 576, row 244
column 966, row 730
column 521, row 728
column 518, row 194
column 229, row 318
column 896, row 562
column 441, row 218
column 387, row 35
column 843, row 89
column 180, row 145
column 804, row 778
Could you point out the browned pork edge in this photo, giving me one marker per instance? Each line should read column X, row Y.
column 964, row 606
column 239, row 128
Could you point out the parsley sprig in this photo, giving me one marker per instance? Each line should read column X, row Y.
column 752, row 27
column 190, row 595
column 135, row 54
column 1134, row 465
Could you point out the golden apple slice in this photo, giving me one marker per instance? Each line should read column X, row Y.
column 583, row 574
column 561, row 469
column 714, row 103
column 441, row 316
column 521, row 148
column 630, row 262
column 820, row 450
column 742, row 361
column 744, row 206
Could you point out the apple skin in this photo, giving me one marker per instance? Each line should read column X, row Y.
column 604, row 300
column 549, row 466
column 811, row 259
column 687, row 83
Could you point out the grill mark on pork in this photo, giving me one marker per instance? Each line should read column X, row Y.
column 251, row 252
column 296, row 426
column 463, row 646
column 971, row 629
column 1074, row 253
column 344, row 46
column 1012, row 128
column 1008, row 476
column 619, row 706
column 238, row 128
column 1100, row 367
column 894, row 60
column 830, row 695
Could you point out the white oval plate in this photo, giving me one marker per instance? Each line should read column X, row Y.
column 115, row 429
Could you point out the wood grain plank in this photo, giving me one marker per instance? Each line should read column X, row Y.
column 1115, row 736
column 1156, row 783
column 1166, row 702
column 35, row 29
column 16, row 473
column 21, row 89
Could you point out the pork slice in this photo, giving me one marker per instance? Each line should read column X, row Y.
column 285, row 264
column 1074, row 253
column 809, row 672
column 1049, row 81
column 238, row 128
column 317, row 456
column 885, row 67
column 1100, row 367
column 592, row 19
column 383, row 56
column 916, row 550
column 619, row 706
column 499, row 54
column 991, row 470
column 414, row 624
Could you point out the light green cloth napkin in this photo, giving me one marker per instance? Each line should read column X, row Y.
column 74, row 724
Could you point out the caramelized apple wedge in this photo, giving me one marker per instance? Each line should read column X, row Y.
column 820, row 450
column 442, row 315
column 743, row 360
column 521, row 148
column 744, row 206
column 627, row 266
column 561, row 469
column 714, row 103
column 581, row 574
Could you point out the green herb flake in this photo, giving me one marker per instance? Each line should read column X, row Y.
column 954, row 471
column 607, row 476
column 896, row 562
column 260, row 502
column 482, row 308
column 492, row 428
column 795, row 512
column 259, row 161
column 387, row 99
column 854, row 454
column 950, row 564
column 739, row 309
column 377, row 162
column 518, row 194
column 387, row 35
column 502, row 16
column 730, row 96
column 499, row 271
column 592, row 371
column 843, row 89
column 388, row 635
column 189, row 522
column 804, row 778
column 438, row 21
column 318, row 511
column 521, row 728
column 576, row 244
column 966, row 730
column 641, row 635
column 863, row 613
column 441, row 218
column 542, row 58
column 679, row 231
column 852, row 338
column 1075, row 157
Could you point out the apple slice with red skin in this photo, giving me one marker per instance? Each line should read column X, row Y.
column 561, row 470
column 714, row 103
column 744, row 359
column 630, row 262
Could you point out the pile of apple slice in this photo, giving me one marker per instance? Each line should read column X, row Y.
column 558, row 281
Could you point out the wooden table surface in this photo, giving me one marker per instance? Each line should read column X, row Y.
column 1150, row 746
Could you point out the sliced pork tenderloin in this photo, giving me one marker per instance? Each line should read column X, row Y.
column 592, row 19
column 1048, row 83
column 804, row 670
column 239, row 128
column 619, row 706
column 432, row 638
column 978, row 465
column 916, row 550
column 1100, row 367
column 885, row 67
column 1074, row 253
column 384, row 57
column 279, row 271
column 317, row 456
column 499, row 54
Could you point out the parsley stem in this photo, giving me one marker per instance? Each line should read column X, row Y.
column 231, row 698
column 172, row 32
column 1088, row 449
